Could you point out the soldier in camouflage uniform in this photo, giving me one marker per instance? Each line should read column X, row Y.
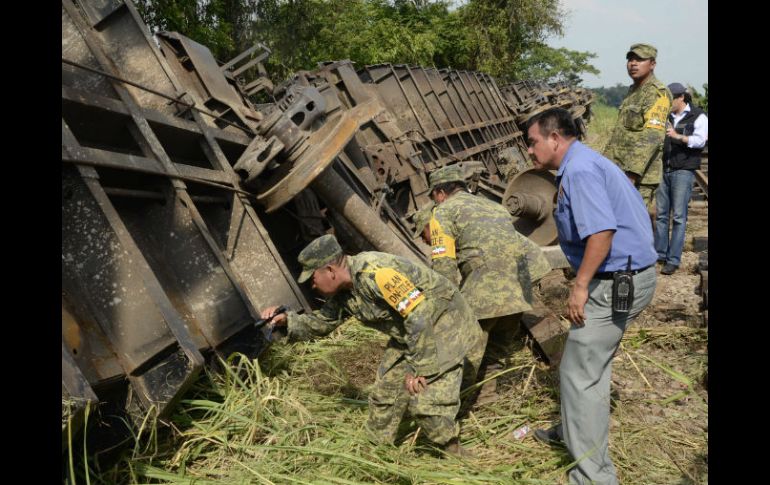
column 636, row 142
column 421, row 219
column 430, row 324
column 497, row 265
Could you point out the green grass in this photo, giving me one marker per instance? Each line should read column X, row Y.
column 603, row 118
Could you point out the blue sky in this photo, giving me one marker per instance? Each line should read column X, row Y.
column 678, row 28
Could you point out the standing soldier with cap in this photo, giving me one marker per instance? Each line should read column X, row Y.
column 636, row 142
column 430, row 324
column 497, row 265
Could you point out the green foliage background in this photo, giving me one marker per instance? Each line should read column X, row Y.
column 613, row 96
column 603, row 120
column 699, row 99
column 505, row 38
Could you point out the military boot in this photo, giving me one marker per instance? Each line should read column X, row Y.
column 453, row 447
column 487, row 393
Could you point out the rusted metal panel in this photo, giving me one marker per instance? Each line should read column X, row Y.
column 146, row 165
column 532, row 97
column 101, row 262
column 213, row 84
column 129, row 51
column 93, row 255
column 548, row 334
column 72, row 98
column 148, row 283
column 84, row 339
column 97, row 10
column 186, row 267
column 247, row 246
column 435, row 104
column 74, row 48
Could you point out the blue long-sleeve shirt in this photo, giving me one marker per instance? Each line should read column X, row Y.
column 594, row 196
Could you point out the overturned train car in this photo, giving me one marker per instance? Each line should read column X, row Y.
column 185, row 203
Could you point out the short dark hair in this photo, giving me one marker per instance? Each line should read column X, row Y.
column 449, row 187
column 555, row 119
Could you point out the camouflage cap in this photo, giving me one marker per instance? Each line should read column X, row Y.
column 645, row 51
column 422, row 217
column 320, row 252
column 450, row 173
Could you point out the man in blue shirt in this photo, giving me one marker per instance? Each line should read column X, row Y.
column 602, row 221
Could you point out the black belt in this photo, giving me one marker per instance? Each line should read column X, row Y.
column 609, row 275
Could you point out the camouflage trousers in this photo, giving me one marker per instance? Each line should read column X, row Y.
column 648, row 196
column 434, row 409
column 647, row 180
column 497, row 342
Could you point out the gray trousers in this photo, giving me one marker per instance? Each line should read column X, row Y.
column 584, row 373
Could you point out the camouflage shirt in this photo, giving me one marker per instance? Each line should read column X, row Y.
column 636, row 142
column 424, row 314
column 497, row 264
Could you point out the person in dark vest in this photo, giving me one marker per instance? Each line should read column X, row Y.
column 686, row 135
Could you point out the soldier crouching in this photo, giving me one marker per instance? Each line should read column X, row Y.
column 430, row 324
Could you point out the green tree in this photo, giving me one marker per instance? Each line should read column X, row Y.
column 304, row 32
column 221, row 25
column 613, row 95
column 701, row 100
column 549, row 64
column 505, row 38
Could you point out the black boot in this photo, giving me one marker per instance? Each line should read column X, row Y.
column 551, row 436
column 453, row 447
column 668, row 269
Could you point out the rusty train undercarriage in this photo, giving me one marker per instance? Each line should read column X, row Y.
column 185, row 201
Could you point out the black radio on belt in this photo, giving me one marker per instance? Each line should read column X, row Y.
column 623, row 289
